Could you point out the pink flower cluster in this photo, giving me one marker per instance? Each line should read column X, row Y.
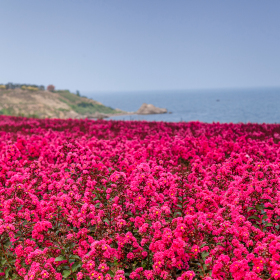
column 83, row 199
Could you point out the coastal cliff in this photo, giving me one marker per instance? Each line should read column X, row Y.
column 46, row 104
column 60, row 104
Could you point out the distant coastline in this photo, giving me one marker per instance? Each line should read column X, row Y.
column 39, row 103
column 35, row 101
column 255, row 105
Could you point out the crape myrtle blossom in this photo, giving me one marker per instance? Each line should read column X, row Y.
column 83, row 199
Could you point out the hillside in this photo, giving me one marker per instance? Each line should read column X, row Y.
column 45, row 104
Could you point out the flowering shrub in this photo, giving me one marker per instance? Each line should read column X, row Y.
column 84, row 199
column 32, row 88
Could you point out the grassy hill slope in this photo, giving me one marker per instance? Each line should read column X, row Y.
column 44, row 104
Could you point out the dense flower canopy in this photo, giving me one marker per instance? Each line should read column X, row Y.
column 83, row 199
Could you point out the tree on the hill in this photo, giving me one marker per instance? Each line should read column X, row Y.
column 50, row 88
column 78, row 93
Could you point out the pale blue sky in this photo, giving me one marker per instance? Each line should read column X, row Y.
column 127, row 45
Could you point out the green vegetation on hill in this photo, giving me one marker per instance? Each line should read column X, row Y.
column 83, row 105
column 88, row 108
column 6, row 111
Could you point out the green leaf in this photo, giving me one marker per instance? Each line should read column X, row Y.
column 8, row 244
column 75, row 256
column 269, row 208
column 204, row 254
column 254, row 217
column 66, row 273
column 11, row 259
column 204, row 266
column 115, row 261
column 75, row 266
column 201, row 273
column 7, row 272
column 20, row 207
column 60, row 258
column 144, row 264
column 3, row 261
column 111, row 273
column 259, row 206
column 18, row 235
column 250, row 208
column 269, row 225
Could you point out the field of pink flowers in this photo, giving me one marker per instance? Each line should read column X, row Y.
column 118, row 200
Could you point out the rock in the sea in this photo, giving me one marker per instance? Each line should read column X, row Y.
column 147, row 109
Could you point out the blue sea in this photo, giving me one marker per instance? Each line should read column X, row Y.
column 230, row 105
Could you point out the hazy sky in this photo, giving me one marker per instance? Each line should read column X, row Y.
column 125, row 45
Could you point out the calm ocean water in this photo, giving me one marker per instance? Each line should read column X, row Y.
column 248, row 105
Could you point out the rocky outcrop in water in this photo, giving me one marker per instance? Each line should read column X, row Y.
column 148, row 109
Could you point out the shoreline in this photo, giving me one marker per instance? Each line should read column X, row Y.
column 145, row 109
column 105, row 116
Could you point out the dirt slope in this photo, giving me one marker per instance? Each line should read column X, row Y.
column 45, row 104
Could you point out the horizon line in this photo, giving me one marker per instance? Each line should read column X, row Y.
column 192, row 89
